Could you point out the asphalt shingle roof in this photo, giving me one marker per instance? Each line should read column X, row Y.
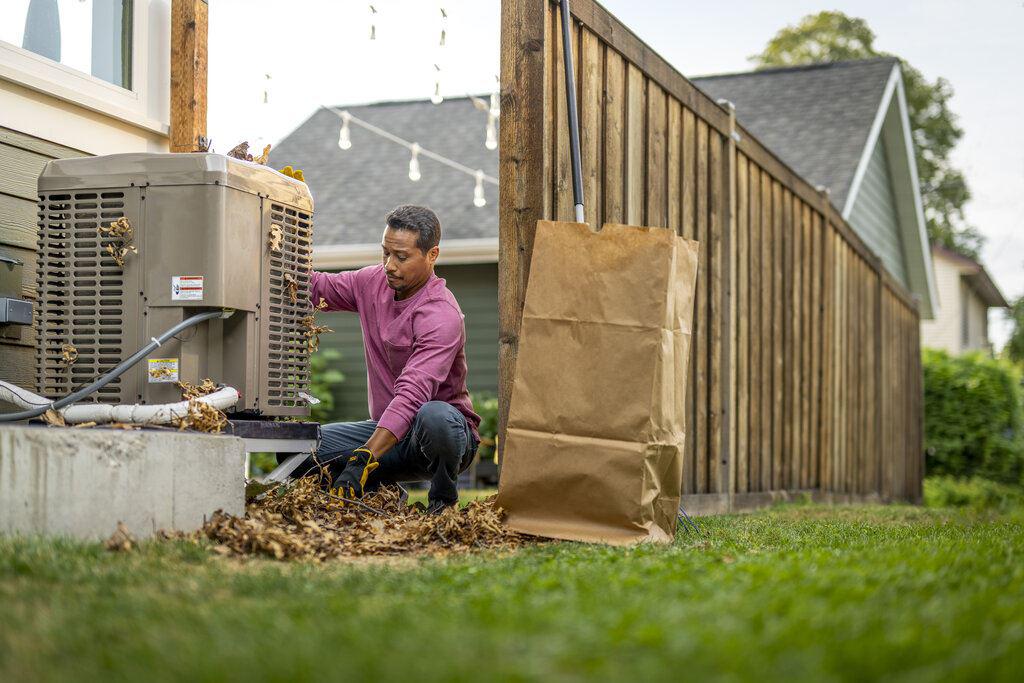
column 816, row 118
column 354, row 189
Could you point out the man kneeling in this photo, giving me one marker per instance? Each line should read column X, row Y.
column 422, row 424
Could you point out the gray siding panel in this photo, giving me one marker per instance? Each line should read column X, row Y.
column 21, row 160
column 874, row 215
column 476, row 289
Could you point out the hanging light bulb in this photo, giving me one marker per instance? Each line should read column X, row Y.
column 436, row 98
column 344, row 141
column 478, row 191
column 492, row 135
column 495, row 109
column 373, row 23
column 414, row 163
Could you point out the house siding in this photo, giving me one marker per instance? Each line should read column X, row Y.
column 958, row 304
column 875, row 215
column 476, row 289
column 22, row 158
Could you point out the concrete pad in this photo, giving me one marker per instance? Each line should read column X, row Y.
column 82, row 482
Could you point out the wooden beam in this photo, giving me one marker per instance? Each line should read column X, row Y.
column 524, row 165
column 188, row 75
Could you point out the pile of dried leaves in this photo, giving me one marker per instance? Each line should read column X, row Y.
column 303, row 522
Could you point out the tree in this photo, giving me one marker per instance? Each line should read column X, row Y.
column 833, row 36
column 1015, row 345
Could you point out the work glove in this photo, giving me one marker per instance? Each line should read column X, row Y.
column 352, row 480
column 293, row 173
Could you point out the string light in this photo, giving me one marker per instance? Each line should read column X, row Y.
column 414, row 163
column 478, row 192
column 436, row 98
column 344, row 139
column 444, row 23
column 415, row 150
column 373, row 23
column 492, row 134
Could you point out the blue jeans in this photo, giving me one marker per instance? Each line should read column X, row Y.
column 439, row 445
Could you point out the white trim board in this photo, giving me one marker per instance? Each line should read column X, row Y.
column 145, row 106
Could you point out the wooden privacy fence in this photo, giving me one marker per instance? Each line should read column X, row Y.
column 806, row 373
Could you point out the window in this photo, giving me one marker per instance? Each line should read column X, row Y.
column 91, row 36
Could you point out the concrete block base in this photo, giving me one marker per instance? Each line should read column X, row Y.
column 82, row 482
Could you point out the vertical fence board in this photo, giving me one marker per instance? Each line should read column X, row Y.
column 636, row 139
column 657, row 187
column 613, row 189
column 756, row 343
column 741, row 453
column 716, row 309
column 817, row 326
column 701, row 376
column 591, row 108
column 674, row 163
column 767, row 280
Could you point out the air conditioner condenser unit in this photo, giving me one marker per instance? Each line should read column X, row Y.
column 131, row 244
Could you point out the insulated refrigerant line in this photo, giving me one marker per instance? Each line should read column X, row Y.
column 574, row 121
column 118, row 370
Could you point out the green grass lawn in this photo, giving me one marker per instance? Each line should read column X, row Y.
column 799, row 592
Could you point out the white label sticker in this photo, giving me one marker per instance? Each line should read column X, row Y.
column 186, row 288
column 163, row 370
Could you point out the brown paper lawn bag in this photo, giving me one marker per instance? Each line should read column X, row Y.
column 594, row 446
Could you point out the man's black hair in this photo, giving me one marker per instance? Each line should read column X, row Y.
column 418, row 219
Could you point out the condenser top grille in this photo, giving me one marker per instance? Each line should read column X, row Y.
column 81, row 293
column 290, row 267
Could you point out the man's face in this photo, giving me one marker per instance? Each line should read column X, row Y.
column 406, row 267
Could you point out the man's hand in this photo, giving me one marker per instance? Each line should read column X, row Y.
column 352, row 480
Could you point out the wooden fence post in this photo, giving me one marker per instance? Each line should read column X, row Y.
column 188, row 75
column 522, row 160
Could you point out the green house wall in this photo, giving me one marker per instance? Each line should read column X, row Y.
column 875, row 217
column 476, row 289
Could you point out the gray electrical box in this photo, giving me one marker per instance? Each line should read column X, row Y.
column 208, row 231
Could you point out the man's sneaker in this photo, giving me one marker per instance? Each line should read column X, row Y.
column 436, row 507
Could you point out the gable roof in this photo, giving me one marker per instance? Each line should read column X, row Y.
column 354, row 189
column 976, row 276
column 817, row 118
column 825, row 121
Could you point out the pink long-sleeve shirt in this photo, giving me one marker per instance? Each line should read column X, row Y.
column 415, row 348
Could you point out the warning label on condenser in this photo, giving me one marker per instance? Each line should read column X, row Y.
column 163, row 370
column 186, row 288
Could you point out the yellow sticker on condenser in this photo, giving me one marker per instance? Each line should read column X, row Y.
column 163, row 369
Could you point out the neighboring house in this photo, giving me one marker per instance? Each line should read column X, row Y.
column 353, row 190
column 843, row 126
column 75, row 79
column 966, row 292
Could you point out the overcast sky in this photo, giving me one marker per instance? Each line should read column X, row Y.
column 310, row 52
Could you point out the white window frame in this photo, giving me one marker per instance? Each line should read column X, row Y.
column 134, row 106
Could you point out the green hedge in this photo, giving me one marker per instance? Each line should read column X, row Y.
column 973, row 418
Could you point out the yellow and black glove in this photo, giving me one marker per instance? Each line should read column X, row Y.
column 352, row 480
